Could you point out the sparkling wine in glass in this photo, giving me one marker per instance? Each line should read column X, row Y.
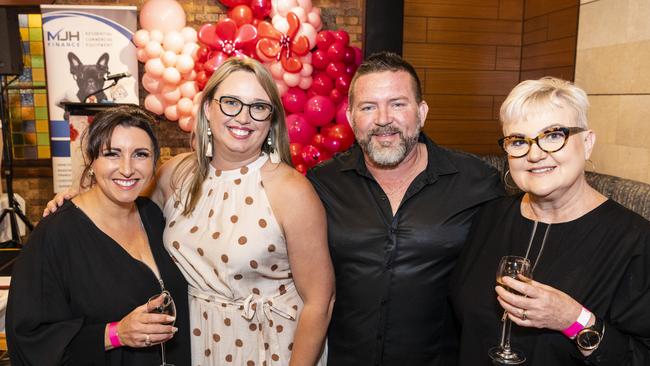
column 162, row 306
column 518, row 268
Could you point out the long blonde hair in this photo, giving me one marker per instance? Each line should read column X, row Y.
column 197, row 164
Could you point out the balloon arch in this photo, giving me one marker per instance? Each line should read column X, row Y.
column 312, row 68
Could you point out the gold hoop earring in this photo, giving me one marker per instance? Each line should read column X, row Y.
column 593, row 166
column 505, row 181
column 208, row 149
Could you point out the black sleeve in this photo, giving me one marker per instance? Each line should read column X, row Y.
column 41, row 328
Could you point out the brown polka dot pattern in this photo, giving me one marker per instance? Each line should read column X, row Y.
column 291, row 346
column 172, row 223
column 279, row 328
column 228, row 358
column 176, row 204
column 200, row 251
column 194, row 229
column 210, row 192
column 216, row 337
column 239, row 343
column 274, row 267
column 238, row 277
column 238, row 181
column 283, row 289
column 227, row 322
column 275, row 357
column 176, row 245
column 207, row 352
column 243, row 170
column 197, row 332
column 224, row 258
column 250, row 363
column 249, row 200
column 256, row 291
column 262, row 223
column 252, row 327
column 253, row 264
column 242, row 240
column 211, row 213
column 225, row 196
column 205, row 315
column 217, row 173
column 215, row 235
column 234, row 219
column 271, row 248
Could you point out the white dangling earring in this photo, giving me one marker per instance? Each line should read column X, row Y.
column 208, row 149
column 273, row 154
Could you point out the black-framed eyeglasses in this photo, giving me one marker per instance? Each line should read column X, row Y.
column 551, row 140
column 232, row 106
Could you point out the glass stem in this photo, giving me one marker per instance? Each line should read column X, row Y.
column 162, row 349
column 505, row 335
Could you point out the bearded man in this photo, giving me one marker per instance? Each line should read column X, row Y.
column 398, row 210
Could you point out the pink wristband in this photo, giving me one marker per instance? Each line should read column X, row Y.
column 579, row 324
column 113, row 336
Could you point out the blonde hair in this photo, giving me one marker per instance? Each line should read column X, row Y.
column 197, row 164
column 548, row 91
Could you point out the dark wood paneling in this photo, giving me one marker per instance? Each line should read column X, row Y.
column 539, row 7
column 563, row 23
column 481, row 10
column 470, row 82
column 459, row 107
column 474, row 25
column 415, row 29
column 511, row 9
column 443, row 56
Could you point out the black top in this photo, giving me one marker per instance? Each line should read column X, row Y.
column 601, row 259
column 71, row 279
column 392, row 271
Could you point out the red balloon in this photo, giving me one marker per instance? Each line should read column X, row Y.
column 261, row 8
column 294, row 100
column 198, row 66
column 201, row 79
column 348, row 56
column 311, row 93
column 301, row 168
column 351, row 69
column 336, row 51
column 319, row 110
column 342, row 36
column 324, row 39
column 341, row 133
column 202, row 54
column 342, row 83
column 299, row 130
column 336, row 96
column 341, row 113
column 335, row 69
column 295, row 149
column 241, row 14
column 358, row 56
column 233, row 3
column 318, row 140
column 321, row 84
column 319, row 59
column 311, row 155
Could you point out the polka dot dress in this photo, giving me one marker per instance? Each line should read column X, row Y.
column 243, row 303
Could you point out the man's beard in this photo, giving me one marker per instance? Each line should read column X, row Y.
column 386, row 156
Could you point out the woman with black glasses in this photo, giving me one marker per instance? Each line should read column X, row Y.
column 589, row 297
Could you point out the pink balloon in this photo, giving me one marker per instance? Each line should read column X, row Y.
column 305, row 82
column 358, row 56
column 291, row 79
column 142, row 55
column 190, row 49
column 141, row 38
column 336, row 51
column 184, row 106
column 305, row 4
column 154, row 67
column 169, row 58
column 300, row 12
column 348, row 56
column 151, row 83
column 299, row 130
column 171, row 76
column 335, row 69
column 170, row 94
column 171, row 112
column 341, row 113
column 173, row 41
column 186, row 123
column 156, row 35
column 309, row 31
column 319, row 59
column 277, row 70
column 189, row 35
column 342, row 36
column 153, row 49
column 336, row 96
column 306, row 70
column 154, row 103
column 184, row 63
column 163, row 15
column 319, row 110
column 188, row 89
column 294, row 100
column 342, row 83
column 322, row 84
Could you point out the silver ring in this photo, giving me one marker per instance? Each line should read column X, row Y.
column 147, row 340
column 523, row 314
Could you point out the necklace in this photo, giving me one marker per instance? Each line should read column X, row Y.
column 541, row 249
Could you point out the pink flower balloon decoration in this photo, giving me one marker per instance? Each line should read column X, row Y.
column 226, row 40
column 286, row 48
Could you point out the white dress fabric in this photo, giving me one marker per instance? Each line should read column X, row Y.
column 243, row 303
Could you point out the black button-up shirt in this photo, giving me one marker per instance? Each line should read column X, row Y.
column 392, row 272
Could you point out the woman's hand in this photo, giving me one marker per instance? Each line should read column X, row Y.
column 539, row 306
column 141, row 328
column 57, row 201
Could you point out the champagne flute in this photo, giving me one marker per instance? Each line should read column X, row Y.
column 166, row 307
column 518, row 268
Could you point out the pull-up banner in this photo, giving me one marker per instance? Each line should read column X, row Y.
column 84, row 44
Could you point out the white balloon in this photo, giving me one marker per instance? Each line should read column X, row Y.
column 305, row 4
column 300, row 12
column 156, row 35
column 292, row 79
column 189, row 34
column 305, row 82
column 307, row 69
column 169, row 58
column 280, row 23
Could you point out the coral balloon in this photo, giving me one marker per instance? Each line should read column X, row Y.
column 151, row 83
column 202, row 54
column 299, row 129
column 184, row 63
column 305, row 4
column 188, row 89
column 173, row 41
column 171, row 113
column 141, row 38
column 171, row 76
column 294, row 100
column 261, row 8
column 163, row 15
column 186, row 123
column 322, row 84
column 154, row 67
column 201, row 79
column 300, row 12
column 319, row 110
column 170, row 94
column 358, row 56
column 241, row 14
column 184, row 106
column 154, row 103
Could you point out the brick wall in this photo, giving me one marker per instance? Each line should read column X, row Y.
column 345, row 14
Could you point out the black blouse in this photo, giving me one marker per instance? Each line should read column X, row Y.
column 71, row 279
column 392, row 271
column 601, row 259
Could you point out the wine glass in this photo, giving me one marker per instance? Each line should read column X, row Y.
column 518, row 268
column 167, row 307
